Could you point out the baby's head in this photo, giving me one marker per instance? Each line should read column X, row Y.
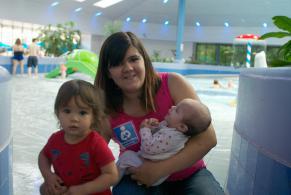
column 83, row 93
column 189, row 116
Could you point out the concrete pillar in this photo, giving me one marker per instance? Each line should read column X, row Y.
column 6, row 186
column 260, row 161
column 180, row 30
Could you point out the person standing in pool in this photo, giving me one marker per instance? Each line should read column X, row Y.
column 32, row 61
column 133, row 92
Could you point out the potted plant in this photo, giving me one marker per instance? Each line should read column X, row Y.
column 60, row 39
column 284, row 52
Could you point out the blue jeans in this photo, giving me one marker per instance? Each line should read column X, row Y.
column 200, row 183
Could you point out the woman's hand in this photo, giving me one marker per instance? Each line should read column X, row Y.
column 148, row 173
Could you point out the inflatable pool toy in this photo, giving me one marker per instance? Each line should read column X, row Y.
column 79, row 60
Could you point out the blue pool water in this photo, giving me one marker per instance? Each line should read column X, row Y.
column 33, row 121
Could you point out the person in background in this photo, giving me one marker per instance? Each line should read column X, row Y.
column 81, row 159
column 216, row 84
column 32, row 61
column 134, row 91
column 230, row 84
column 161, row 140
column 18, row 58
column 63, row 70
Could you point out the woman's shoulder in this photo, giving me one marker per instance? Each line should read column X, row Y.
column 180, row 88
column 170, row 77
column 175, row 79
column 175, row 75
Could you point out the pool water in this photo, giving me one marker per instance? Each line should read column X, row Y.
column 33, row 121
column 222, row 105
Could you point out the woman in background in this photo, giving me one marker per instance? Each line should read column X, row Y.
column 18, row 58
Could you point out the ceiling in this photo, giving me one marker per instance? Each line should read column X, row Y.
column 248, row 13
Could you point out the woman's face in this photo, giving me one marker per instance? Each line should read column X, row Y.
column 129, row 75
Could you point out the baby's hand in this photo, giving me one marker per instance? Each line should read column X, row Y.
column 151, row 123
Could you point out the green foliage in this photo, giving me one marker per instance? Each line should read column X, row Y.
column 284, row 53
column 156, row 57
column 60, row 38
column 112, row 27
column 278, row 63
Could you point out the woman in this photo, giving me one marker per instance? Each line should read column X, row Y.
column 17, row 58
column 134, row 91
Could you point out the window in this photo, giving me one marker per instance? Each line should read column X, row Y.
column 206, row 53
column 11, row 30
column 225, row 54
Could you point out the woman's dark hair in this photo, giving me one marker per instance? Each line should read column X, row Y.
column 112, row 54
column 84, row 91
column 18, row 41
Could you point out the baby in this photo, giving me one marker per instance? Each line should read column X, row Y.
column 161, row 140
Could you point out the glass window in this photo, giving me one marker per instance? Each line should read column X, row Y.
column 6, row 35
column 206, row 53
column 11, row 30
column 225, row 54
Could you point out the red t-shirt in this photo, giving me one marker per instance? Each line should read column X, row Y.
column 126, row 128
column 78, row 163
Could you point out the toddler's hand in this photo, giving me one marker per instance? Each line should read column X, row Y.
column 54, row 184
column 74, row 190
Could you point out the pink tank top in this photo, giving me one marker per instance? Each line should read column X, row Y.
column 126, row 128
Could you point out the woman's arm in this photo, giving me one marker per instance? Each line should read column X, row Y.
column 196, row 148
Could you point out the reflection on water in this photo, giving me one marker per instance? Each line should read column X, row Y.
column 33, row 121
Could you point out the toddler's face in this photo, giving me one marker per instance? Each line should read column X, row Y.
column 76, row 118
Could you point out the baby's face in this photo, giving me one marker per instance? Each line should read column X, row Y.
column 175, row 115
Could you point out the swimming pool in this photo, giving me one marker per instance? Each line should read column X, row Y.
column 222, row 105
column 33, row 122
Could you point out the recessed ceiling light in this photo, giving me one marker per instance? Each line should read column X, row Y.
column 106, row 3
column 54, row 4
column 165, row 1
column 78, row 9
column 80, row 0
